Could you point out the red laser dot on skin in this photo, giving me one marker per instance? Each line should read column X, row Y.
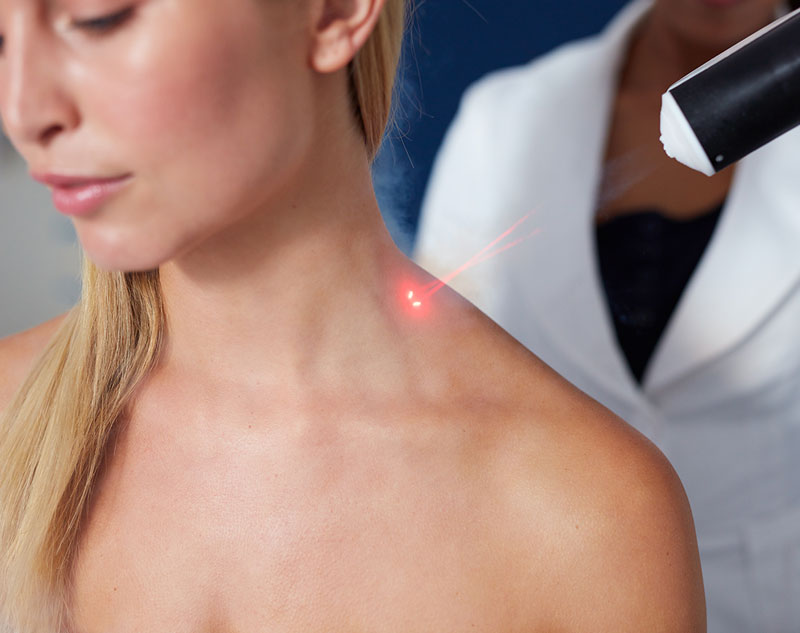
column 414, row 303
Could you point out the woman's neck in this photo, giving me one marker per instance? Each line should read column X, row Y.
column 660, row 53
column 658, row 57
column 295, row 292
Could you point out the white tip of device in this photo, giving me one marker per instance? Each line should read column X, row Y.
column 679, row 140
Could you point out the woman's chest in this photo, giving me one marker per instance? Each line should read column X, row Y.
column 231, row 546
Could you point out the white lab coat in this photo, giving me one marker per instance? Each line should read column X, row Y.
column 721, row 396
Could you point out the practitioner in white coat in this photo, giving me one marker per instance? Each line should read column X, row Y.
column 671, row 298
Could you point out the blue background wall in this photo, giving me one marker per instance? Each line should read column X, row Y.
column 451, row 44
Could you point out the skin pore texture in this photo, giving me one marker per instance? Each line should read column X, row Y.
column 676, row 37
column 311, row 452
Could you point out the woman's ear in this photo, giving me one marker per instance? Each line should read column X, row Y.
column 341, row 28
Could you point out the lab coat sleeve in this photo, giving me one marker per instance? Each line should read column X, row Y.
column 455, row 219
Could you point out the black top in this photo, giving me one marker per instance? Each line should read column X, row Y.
column 646, row 261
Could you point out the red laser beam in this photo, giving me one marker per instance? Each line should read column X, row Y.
column 488, row 252
column 506, row 247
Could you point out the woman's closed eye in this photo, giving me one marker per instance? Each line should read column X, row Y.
column 95, row 26
column 104, row 23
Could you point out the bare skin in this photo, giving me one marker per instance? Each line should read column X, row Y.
column 311, row 452
column 475, row 490
column 675, row 38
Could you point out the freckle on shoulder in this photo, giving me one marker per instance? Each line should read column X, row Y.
column 19, row 352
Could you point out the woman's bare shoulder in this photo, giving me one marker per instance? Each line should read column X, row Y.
column 614, row 513
column 18, row 353
column 602, row 520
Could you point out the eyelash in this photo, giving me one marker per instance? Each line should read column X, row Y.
column 104, row 24
column 97, row 26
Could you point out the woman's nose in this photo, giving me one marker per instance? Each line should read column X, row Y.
column 34, row 103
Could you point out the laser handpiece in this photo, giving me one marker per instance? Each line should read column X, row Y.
column 737, row 102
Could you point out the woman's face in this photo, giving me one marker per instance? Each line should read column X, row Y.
column 716, row 24
column 197, row 110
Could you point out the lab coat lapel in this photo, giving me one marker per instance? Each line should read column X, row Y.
column 569, row 306
column 750, row 265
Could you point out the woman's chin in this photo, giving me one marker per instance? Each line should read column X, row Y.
column 121, row 265
column 720, row 4
column 122, row 256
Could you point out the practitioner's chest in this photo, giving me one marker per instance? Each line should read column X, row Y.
column 244, row 537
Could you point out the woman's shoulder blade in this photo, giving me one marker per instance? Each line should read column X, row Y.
column 18, row 354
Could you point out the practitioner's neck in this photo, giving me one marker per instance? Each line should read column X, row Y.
column 661, row 52
column 297, row 293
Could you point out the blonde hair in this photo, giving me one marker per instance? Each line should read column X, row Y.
column 54, row 435
column 372, row 74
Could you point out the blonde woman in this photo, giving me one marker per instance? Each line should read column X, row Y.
column 250, row 422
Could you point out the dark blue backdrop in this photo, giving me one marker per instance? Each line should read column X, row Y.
column 451, row 44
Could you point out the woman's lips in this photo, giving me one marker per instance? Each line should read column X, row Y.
column 79, row 196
